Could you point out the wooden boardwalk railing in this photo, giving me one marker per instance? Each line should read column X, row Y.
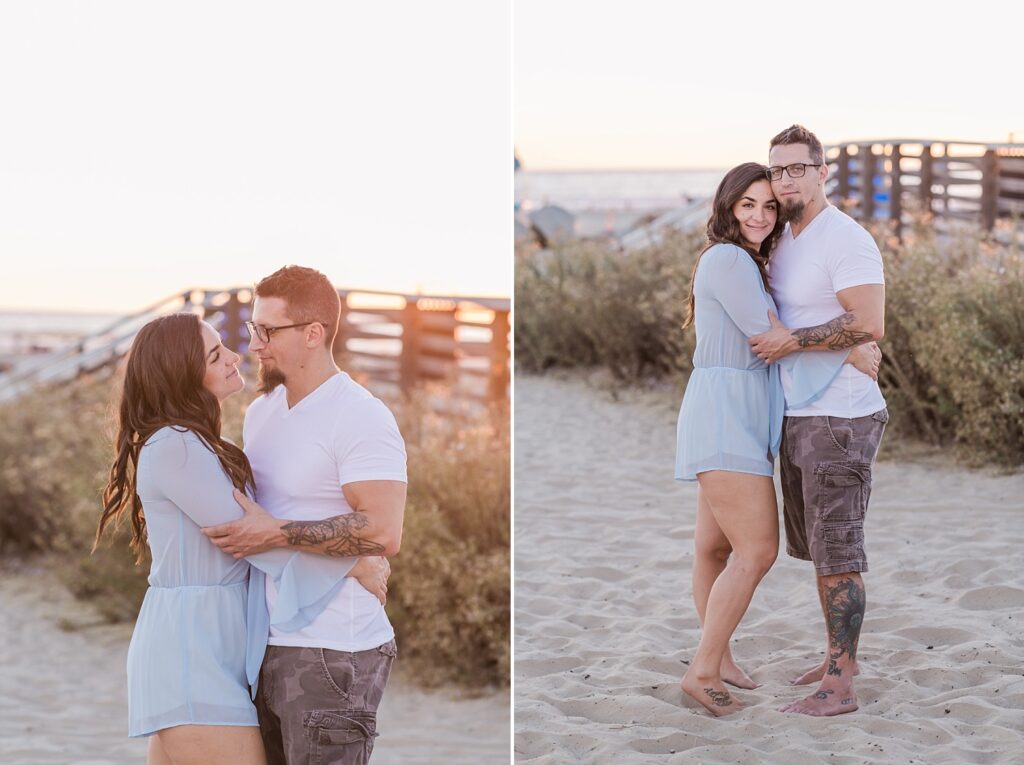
column 952, row 180
column 396, row 341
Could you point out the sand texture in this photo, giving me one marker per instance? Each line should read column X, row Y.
column 63, row 695
column 605, row 622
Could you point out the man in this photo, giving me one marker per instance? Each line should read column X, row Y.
column 329, row 464
column 826, row 278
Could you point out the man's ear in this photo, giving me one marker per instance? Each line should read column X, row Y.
column 315, row 335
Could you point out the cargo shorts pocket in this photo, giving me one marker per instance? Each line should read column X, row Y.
column 340, row 737
column 842, row 502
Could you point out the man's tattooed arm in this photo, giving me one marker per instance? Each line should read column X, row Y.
column 338, row 536
column 835, row 334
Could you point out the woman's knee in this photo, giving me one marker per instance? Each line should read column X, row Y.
column 757, row 559
column 713, row 549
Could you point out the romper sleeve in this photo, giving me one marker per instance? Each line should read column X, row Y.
column 732, row 278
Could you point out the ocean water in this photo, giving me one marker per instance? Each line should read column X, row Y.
column 25, row 332
column 621, row 190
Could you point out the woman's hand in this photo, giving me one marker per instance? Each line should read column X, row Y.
column 866, row 358
column 372, row 571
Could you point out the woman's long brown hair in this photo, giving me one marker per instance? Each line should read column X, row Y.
column 163, row 385
column 723, row 228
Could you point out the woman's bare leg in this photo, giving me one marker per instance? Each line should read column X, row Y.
column 711, row 553
column 156, row 755
column 745, row 508
column 212, row 745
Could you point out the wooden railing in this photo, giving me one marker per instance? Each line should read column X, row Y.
column 951, row 180
column 395, row 341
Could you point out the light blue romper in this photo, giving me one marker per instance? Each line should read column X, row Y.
column 201, row 633
column 731, row 415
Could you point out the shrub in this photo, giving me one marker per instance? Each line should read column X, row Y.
column 588, row 305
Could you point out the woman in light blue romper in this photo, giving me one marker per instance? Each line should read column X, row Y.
column 730, row 424
column 202, row 630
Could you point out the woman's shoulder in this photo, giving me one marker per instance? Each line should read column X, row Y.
column 723, row 257
column 171, row 442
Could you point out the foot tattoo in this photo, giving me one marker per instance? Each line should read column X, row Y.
column 719, row 698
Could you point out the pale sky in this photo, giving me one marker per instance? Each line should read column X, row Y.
column 149, row 147
column 654, row 84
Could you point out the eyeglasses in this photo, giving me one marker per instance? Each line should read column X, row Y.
column 265, row 333
column 796, row 170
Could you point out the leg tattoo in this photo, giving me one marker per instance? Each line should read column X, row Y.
column 844, row 605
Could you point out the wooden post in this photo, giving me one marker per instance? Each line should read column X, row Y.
column 435, row 357
column 497, row 387
column 232, row 321
column 896, row 190
column 408, row 366
column 340, row 345
column 868, row 165
column 927, row 175
column 843, row 170
column 989, row 189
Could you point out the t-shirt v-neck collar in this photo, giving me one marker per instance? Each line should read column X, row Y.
column 824, row 211
column 315, row 393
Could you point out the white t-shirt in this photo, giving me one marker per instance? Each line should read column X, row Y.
column 832, row 253
column 301, row 457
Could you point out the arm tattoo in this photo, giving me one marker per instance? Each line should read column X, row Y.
column 834, row 334
column 337, row 536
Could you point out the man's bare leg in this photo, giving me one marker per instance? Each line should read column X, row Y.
column 815, row 675
column 844, row 601
column 711, row 554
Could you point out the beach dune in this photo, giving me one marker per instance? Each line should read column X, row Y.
column 605, row 622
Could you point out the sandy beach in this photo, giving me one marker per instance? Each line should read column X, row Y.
column 63, row 697
column 605, row 622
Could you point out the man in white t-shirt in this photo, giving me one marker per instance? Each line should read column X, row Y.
column 330, row 470
column 826, row 277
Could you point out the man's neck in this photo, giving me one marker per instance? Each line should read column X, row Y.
column 811, row 211
column 300, row 384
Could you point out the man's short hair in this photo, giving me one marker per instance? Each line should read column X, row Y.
column 799, row 134
column 308, row 295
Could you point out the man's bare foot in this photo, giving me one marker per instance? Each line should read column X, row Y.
column 733, row 675
column 815, row 675
column 826, row 702
column 711, row 693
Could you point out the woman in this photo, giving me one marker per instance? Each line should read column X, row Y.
column 730, row 423
column 203, row 626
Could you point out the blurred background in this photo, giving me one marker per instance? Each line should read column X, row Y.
column 161, row 159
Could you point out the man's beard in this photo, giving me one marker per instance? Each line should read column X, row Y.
column 792, row 212
column 269, row 379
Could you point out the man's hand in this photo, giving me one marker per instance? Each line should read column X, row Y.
column 373, row 572
column 255, row 532
column 774, row 344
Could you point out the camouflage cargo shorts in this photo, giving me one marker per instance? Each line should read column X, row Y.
column 319, row 706
column 826, row 464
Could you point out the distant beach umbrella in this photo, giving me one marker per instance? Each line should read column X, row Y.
column 552, row 224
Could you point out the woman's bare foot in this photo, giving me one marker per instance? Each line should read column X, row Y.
column 826, row 702
column 711, row 693
column 815, row 675
column 733, row 675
